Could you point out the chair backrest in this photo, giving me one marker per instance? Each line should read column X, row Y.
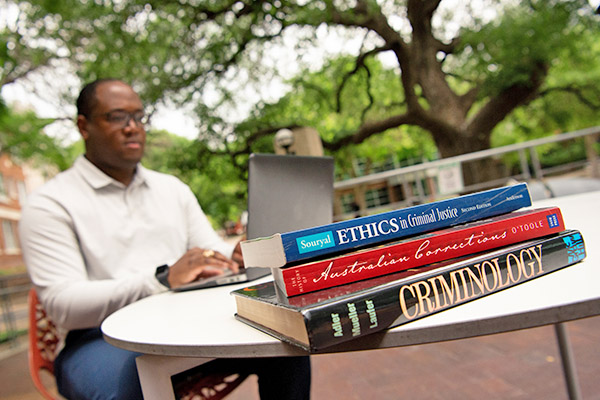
column 43, row 340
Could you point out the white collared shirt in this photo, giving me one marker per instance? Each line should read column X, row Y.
column 92, row 244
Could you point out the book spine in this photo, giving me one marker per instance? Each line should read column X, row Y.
column 408, row 300
column 360, row 232
column 412, row 253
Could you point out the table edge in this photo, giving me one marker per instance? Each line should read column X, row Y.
column 394, row 337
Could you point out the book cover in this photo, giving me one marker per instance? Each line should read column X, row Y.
column 317, row 320
column 424, row 249
column 326, row 240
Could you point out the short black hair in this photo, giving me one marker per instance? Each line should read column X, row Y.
column 86, row 102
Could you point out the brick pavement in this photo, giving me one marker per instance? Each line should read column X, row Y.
column 516, row 365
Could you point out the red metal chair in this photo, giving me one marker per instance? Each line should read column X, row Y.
column 209, row 387
column 43, row 340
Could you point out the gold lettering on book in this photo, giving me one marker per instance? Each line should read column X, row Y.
column 423, row 290
column 403, row 298
column 449, row 288
column 475, row 278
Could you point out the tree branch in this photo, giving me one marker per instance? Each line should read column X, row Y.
column 204, row 13
column 22, row 74
column 360, row 63
column 369, row 95
column 369, row 129
column 578, row 92
column 498, row 107
column 448, row 48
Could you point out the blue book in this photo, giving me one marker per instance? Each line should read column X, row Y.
column 327, row 240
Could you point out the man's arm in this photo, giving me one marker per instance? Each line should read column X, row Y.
column 55, row 263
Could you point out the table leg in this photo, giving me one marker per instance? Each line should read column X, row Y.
column 568, row 361
column 155, row 374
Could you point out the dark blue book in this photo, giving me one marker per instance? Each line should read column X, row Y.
column 327, row 240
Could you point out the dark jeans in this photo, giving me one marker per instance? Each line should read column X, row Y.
column 90, row 368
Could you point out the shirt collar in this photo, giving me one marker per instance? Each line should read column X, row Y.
column 98, row 179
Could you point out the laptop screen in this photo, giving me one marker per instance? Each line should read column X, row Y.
column 287, row 193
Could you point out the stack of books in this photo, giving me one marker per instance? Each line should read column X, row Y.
column 348, row 279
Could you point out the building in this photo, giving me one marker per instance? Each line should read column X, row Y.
column 15, row 182
column 373, row 189
column 12, row 193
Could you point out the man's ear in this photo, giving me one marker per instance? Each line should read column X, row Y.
column 82, row 126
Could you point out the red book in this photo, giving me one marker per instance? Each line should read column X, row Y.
column 421, row 250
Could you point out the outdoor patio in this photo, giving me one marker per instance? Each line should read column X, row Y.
column 517, row 365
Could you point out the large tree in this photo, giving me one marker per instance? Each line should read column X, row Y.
column 459, row 71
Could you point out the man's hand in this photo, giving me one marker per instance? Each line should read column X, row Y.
column 197, row 264
column 237, row 255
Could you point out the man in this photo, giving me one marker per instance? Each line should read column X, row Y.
column 108, row 232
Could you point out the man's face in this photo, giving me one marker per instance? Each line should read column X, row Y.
column 113, row 138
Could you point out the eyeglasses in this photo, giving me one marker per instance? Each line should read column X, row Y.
column 121, row 118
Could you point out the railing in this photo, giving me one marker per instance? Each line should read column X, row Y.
column 13, row 300
column 417, row 174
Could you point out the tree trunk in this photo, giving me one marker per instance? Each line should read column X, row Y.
column 477, row 171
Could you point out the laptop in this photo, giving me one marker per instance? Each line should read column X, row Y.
column 285, row 193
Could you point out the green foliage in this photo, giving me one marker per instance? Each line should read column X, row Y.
column 214, row 180
column 571, row 101
column 162, row 47
column 22, row 136
column 205, row 51
column 528, row 35
column 6, row 336
column 315, row 101
column 20, row 51
column 393, row 149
